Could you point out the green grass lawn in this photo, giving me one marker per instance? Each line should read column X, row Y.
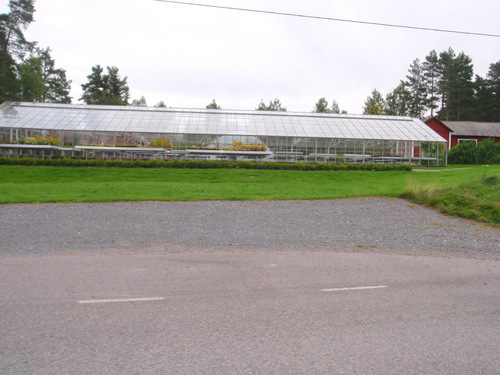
column 36, row 184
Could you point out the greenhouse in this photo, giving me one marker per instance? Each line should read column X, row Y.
column 120, row 132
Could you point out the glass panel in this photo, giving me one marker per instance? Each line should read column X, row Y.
column 183, row 121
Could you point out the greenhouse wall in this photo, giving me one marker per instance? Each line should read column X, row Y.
column 123, row 132
column 133, row 145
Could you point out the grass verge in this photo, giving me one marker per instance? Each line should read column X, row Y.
column 476, row 199
column 471, row 192
column 23, row 184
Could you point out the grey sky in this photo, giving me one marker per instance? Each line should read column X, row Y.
column 187, row 56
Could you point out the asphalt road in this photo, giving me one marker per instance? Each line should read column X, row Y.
column 253, row 310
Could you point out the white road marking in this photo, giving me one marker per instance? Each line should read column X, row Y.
column 355, row 288
column 122, row 300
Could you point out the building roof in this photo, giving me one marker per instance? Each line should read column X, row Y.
column 97, row 118
column 474, row 129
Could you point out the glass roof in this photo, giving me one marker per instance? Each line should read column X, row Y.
column 205, row 121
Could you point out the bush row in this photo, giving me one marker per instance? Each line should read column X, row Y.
column 485, row 152
column 201, row 164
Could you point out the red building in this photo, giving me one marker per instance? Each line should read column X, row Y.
column 464, row 131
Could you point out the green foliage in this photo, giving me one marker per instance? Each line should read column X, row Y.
column 139, row 102
column 202, row 164
column 475, row 199
column 12, row 26
column 38, row 140
column 213, row 105
column 492, row 107
column 13, row 46
column 374, row 104
column 240, row 146
column 161, row 143
column 455, row 86
column 40, row 81
column 105, row 89
column 10, row 85
column 322, row 107
column 416, row 85
column 32, row 84
column 237, row 146
column 161, row 104
column 444, row 84
column 485, row 152
column 431, row 73
column 57, row 86
column 27, row 73
column 124, row 145
column 274, row 105
column 398, row 101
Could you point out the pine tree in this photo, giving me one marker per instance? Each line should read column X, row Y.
column 334, row 108
column 12, row 26
column 431, row 74
column 455, row 86
column 32, row 84
column 483, row 100
column 27, row 73
column 13, row 46
column 274, row 105
column 493, row 77
column 10, row 85
column 118, row 91
column 139, row 102
column 374, row 104
column 445, row 84
column 416, row 84
column 398, row 101
column 213, row 105
column 94, row 91
column 463, row 87
column 105, row 89
column 57, row 86
column 321, row 106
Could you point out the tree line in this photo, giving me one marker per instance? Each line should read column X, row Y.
column 441, row 84
column 27, row 72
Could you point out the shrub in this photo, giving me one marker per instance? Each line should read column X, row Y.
column 38, row 140
column 200, row 164
column 125, row 145
column 485, row 152
column 161, row 143
column 236, row 146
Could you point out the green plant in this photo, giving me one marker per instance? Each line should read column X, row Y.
column 39, row 140
column 475, row 199
column 161, row 143
column 126, row 145
column 204, row 164
column 485, row 152
column 236, row 146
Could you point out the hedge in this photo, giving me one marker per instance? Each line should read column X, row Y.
column 485, row 152
column 201, row 164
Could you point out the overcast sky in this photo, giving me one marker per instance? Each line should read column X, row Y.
column 186, row 55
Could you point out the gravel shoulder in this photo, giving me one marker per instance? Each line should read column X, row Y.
column 375, row 225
